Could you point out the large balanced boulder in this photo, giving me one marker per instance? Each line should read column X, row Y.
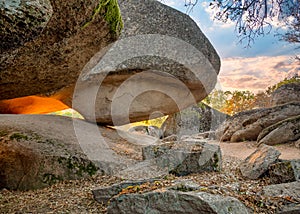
column 46, row 43
column 248, row 125
column 286, row 93
column 168, row 201
column 287, row 130
column 193, row 120
column 161, row 63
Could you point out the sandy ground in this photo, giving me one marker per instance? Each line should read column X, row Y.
column 244, row 149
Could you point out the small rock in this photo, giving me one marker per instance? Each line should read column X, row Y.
column 104, row 194
column 255, row 165
column 176, row 202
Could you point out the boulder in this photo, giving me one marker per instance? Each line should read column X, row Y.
column 284, row 171
column 46, row 43
column 170, row 201
column 161, row 63
column 248, row 125
column 39, row 150
column 194, row 119
column 286, row 93
column 255, row 165
column 180, row 158
column 285, row 131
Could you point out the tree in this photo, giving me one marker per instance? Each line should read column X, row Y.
column 254, row 18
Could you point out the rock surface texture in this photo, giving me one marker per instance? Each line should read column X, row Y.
column 46, row 43
column 22, row 21
column 286, row 93
column 248, row 125
column 161, row 63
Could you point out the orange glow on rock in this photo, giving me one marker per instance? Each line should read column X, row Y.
column 31, row 105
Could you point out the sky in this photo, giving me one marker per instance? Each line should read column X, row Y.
column 265, row 63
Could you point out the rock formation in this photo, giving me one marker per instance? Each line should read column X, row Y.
column 248, row 125
column 287, row 130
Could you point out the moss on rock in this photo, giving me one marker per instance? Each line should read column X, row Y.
column 112, row 15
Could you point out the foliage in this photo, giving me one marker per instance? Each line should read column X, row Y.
column 272, row 88
column 233, row 102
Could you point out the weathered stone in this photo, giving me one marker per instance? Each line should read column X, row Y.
column 104, row 194
column 161, row 63
column 181, row 158
column 38, row 150
column 247, row 125
column 22, row 21
column 58, row 42
column 192, row 120
column 286, row 93
column 255, row 165
column 287, row 130
column 284, row 171
column 167, row 201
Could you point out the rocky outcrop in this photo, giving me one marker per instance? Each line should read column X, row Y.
column 45, row 44
column 39, row 150
column 168, row 201
column 255, row 165
column 161, row 63
column 248, row 125
column 286, row 93
column 287, row 130
column 192, row 120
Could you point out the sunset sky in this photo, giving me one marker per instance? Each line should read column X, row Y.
column 267, row 61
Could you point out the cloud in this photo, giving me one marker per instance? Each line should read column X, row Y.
column 256, row 73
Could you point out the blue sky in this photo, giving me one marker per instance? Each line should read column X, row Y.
column 265, row 63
